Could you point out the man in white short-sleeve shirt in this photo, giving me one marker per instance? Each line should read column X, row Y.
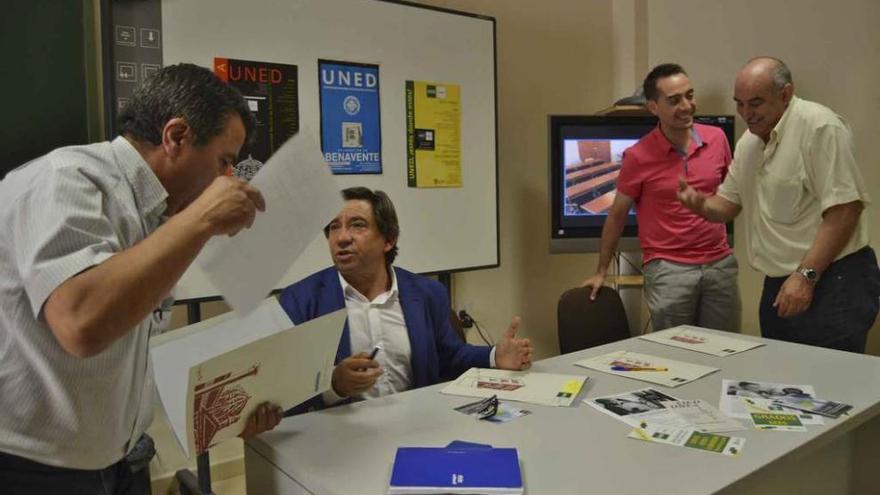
column 92, row 240
column 795, row 177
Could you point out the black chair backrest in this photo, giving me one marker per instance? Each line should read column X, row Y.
column 582, row 323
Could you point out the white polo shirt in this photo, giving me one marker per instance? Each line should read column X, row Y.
column 806, row 167
column 59, row 215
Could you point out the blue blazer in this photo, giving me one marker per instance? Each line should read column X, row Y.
column 438, row 354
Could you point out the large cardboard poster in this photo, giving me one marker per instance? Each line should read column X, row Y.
column 433, row 128
column 351, row 136
column 272, row 93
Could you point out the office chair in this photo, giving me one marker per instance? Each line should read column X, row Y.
column 582, row 323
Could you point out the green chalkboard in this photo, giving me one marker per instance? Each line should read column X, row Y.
column 44, row 60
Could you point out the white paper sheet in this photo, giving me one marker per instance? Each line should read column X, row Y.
column 668, row 372
column 696, row 339
column 301, row 198
column 546, row 389
column 287, row 360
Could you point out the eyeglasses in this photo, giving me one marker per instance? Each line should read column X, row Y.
column 482, row 409
column 486, row 408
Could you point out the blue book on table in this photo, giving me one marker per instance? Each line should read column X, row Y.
column 431, row 470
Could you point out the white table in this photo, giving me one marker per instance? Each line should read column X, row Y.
column 350, row 449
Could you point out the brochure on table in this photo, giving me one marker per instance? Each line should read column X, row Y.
column 688, row 437
column 212, row 375
column 732, row 390
column 764, row 415
column 698, row 339
column 653, row 369
column 654, row 407
column 546, row 389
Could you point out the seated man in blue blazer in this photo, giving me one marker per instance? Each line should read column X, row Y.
column 404, row 314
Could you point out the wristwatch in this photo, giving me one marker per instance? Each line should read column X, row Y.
column 809, row 274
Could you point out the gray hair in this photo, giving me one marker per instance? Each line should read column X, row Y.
column 780, row 73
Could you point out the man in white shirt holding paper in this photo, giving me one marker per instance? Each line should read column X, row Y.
column 405, row 314
column 92, row 240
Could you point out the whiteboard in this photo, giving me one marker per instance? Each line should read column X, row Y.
column 442, row 229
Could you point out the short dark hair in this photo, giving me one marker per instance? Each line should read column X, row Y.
column 384, row 215
column 649, row 86
column 189, row 92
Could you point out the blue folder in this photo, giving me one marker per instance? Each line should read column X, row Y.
column 432, row 470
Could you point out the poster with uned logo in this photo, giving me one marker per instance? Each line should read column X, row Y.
column 272, row 94
column 351, row 136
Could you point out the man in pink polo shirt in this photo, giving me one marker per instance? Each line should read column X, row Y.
column 690, row 272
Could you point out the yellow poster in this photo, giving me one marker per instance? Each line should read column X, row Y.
column 433, row 128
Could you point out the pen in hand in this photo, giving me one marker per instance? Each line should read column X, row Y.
column 375, row 351
column 372, row 355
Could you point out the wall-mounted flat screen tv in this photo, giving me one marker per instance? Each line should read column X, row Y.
column 585, row 160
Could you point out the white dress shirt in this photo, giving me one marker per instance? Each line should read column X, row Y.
column 381, row 322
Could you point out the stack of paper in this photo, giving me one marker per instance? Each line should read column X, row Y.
column 212, row 375
column 546, row 389
column 698, row 339
column 437, row 470
column 661, row 371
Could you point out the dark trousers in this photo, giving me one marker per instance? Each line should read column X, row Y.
column 844, row 307
column 20, row 476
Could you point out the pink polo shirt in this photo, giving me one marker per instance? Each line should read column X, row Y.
column 649, row 175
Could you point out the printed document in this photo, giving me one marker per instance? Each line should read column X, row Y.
column 212, row 375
